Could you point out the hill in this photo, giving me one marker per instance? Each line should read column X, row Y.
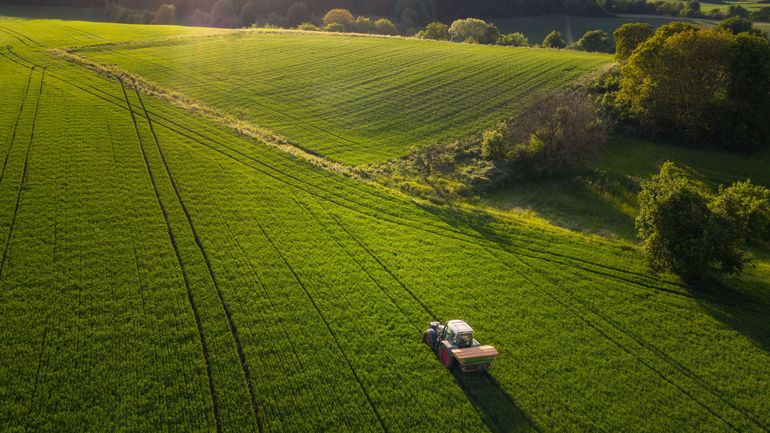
column 162, row 272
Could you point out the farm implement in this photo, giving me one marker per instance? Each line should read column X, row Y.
column 454, row 345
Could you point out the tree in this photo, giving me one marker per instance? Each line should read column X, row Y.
column 384, row 26
column 435, row 30
column 679, row 232
column 513, row 40
column 223, row 12
column 595, row 41
column 748, row 94
column 298, row 13
column 166, row 14
column 737, row 11
column 473, row 29
column 554, row 40
column 629, row 36
column 747, row 205
column 249, row 13
column 364, row 25
column 736, row 25
column 408, row 19
column 342, row 17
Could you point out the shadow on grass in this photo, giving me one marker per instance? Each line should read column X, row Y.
column 497, row 408
column 593, row 202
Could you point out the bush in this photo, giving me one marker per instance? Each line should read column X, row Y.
column 513, row 40
column 384, row 26
column 166, row 14
column 736, row 25
column 437, row 31
column 308, row 27
column 595, row 41
column 629, row 36
column 342, row 17
column 364, row 25
column 334, row 27
column 747, row 205
column 679, row 232
column 554, row 40
column 473, row 30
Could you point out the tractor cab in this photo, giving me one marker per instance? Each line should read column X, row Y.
column 459, row 334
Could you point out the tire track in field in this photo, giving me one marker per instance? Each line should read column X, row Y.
column 2, row 29
column 233, row 329
column 574, row 312
column 16, row 124
column 25, row 171
column 418, row 226
column 7, row 29
column 328, row 327
column 172, row 238
column 660, row 354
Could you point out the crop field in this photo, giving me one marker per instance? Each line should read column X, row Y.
column 160, row 272
column 351, row 99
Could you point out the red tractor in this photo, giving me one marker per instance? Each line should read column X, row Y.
column 454, row 344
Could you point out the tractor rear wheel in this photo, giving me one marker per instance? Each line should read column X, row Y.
column 446, row 357
column 429, row 338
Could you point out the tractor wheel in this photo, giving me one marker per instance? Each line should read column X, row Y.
column 446, row 357
column 429, row 338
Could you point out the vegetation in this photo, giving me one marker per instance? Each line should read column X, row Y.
column 595, row 41
column 473, row 30
column 554, row 40
column 629, row 36
column 686, row 231
column 161, row 271
column 699, row 86
column 361, row 111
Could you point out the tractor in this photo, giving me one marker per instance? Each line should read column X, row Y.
column 454, row 345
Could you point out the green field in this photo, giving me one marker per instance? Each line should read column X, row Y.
column 351, row 99
column 160, row 272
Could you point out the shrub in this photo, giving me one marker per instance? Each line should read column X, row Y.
column 679, row 232
column 364, row 25
column 513, row 40
column 342, row 17
column 473, row 29
column 308, row 27
column 629, row 36
column 384, row 26
column 298, row 13
column 747, row 205
column 435, row 30
column 595, row 41
column 334, row 27
column 554, row 40
column 493, row 145
column 166, row 14
column 736, row 25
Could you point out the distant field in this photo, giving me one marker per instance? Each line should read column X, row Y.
column 353, row 99
column 159, row 272
column 536, row 28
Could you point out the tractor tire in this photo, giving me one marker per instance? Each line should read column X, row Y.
column 446, row 357
column 429, row 338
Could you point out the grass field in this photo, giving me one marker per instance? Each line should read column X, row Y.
column 352, row 99
column 162, row 273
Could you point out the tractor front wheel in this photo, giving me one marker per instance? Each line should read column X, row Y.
column 446, row 357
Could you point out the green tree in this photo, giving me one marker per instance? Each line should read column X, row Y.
column 473, row 29
column 629, row 36
column 554, row 40
column 748, row 93
column 342, row 17
column 595, row 41
column 678, row 231
column 737, row 25
column 384, row 26
column 298, row 13
column 737, row 11
column 166, row 14
column 435, row 30
column 747, row 205
column 513, row 40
